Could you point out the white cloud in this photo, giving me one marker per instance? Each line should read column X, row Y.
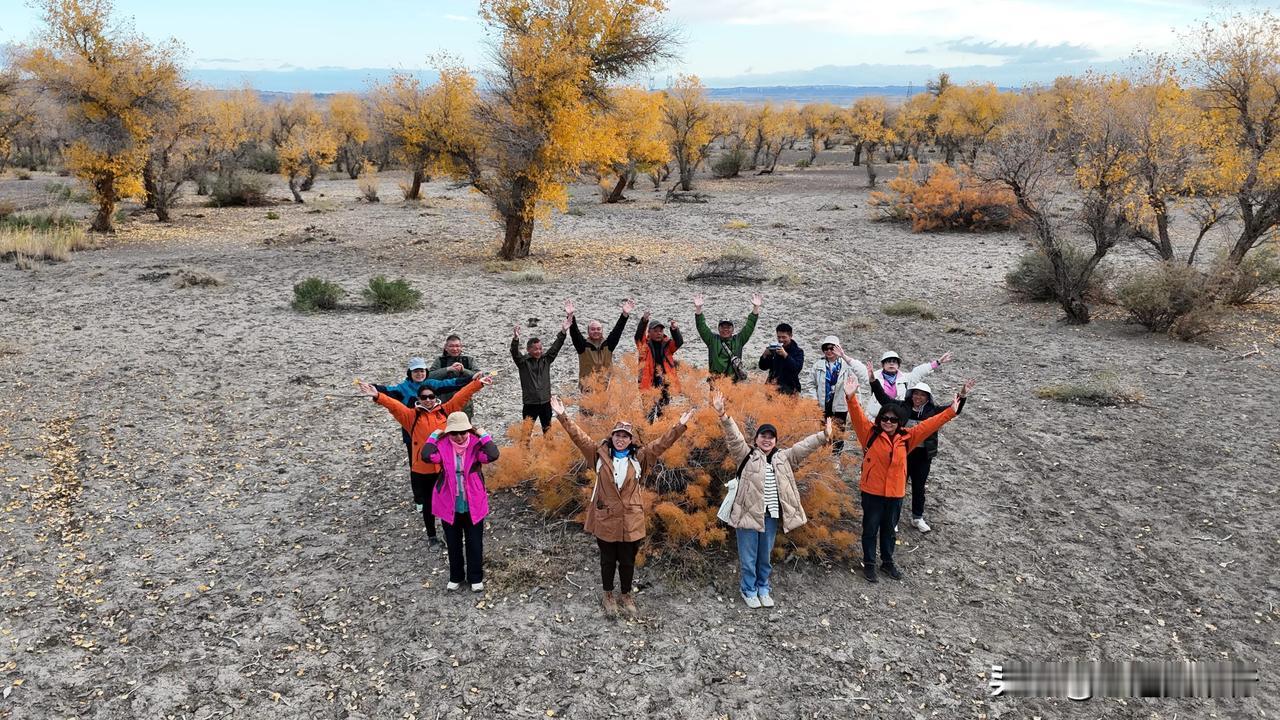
column 458, row 18
column 1117, row 27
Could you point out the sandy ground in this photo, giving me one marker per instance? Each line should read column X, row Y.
column 200, row 521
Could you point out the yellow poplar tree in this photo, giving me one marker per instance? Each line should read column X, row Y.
column 634, row 120
column 554, row 60
column 427, row 125
column 349, row 121
column 968, row 115
column 821, row 121
column 302, row 140
column 687, row 122
column 112, row 85
column 866, row 125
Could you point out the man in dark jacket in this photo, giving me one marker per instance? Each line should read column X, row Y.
column 917, row 407
column 535, row 374
column 784, row 360
column 453, row 364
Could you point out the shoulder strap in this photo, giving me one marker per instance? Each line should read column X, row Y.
column 743, row 464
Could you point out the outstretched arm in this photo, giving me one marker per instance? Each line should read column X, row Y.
column 579, row 342
column 615, row 334
column 401, row 412
column 579, row 438
column 801, row 450
column 861, row 425
column 555, row 347
column 515, row 347
column 463, row 396
column 642, row 327
column 650, row 453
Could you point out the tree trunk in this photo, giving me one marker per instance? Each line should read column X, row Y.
column 293, row 188
column 871, row 168
column 813, row 150
column 1165, row 246
column 517, row 239
column 616, row 194
column 857, row 154
column 162, row 211
column 149, row 183
column 310, row 179
column 686, row 177
column 415, row 185
column 105, row 189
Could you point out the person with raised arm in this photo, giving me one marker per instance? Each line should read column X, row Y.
column 895, row 383
column 451, row 363
column 418, row 421
column 882, row 484
column 615, row 512
column 724, row 347
column 595, row 351
column 534, row 366
column 460, row 498
column 766, row 498
column 826, row 382
column 657, row 359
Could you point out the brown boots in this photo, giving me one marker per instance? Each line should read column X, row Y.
column 610, row 605
column 613, row 603
column 628, row 605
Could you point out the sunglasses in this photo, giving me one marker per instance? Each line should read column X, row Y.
column 427, row 397
column 893, row 420
column 828, row 347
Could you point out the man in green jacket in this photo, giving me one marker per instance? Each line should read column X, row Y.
column 724, row 347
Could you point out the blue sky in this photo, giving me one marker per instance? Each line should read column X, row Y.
column 727, row 41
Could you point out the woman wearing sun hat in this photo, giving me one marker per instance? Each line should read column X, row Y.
column 766, row 498
column 460, row 499
column 615, row 513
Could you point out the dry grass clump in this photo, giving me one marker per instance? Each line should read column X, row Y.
column 197, row 277
column 909, row 308
column 737, row 225
column 736, row 264
column 685, row 489
column 1103, row 391
column 24, row 245
column 368, row 183
column 943, row 198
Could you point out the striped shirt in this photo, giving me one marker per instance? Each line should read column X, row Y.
column 770, row 491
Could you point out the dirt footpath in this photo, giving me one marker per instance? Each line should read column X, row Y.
column 201, row 521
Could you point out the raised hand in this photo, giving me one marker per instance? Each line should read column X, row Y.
column 946, row 358
column 756, row 300
column 871, row 369
column 517, row 331
column 480, row 431
column 569, row 308
column 366, row 389
column 672, row 324
column 698, row 299
column 557, row 407
column 484, row 378
column 456, row 367
column 684, row 418
column 851, row 385
column 717, row 402
column 564, row 326
column 969, row 385
column 628, row 306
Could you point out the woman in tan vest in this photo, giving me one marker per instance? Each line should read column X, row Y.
column 615, row 513
column 767, row 498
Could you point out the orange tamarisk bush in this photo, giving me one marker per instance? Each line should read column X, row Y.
column 944, row 198
column 684, row 490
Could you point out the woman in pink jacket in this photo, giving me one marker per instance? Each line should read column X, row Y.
column 459, row 498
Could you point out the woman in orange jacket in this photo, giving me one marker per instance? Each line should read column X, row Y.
column 884, row 471
column 426, row 416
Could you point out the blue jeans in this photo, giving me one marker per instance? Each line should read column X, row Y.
column 754, row 551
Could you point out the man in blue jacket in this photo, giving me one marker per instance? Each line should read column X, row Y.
column 784, row 359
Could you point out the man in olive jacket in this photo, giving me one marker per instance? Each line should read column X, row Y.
column 724, row 347
column 534, row 366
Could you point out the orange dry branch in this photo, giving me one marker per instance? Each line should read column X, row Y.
column 684, row 490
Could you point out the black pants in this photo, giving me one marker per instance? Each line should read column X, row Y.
column 879, row 518
column 619, row 556
column 422, row 484
column 918, row 463
column 465, row 538
column 841, row 416
column 541, row 411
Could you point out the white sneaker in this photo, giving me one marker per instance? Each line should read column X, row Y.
column 417, row 507
column 920, row 524
column 752, row 601
column 477, row 587
column 452, row 586
column 766, row 600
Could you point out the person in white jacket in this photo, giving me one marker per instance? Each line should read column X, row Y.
column 825, row 383
column 896, row 384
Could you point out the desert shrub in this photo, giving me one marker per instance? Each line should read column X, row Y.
column 7, row 209
column 197, row 277
column 802, row 163
column 686, row 487
column 44, row 221
column 25, row 244
column 737, row 264
column 238, row 190
column 22, row 174
column 1252, row 281
column 945, row 199
column 574, row 212
column 273, row 215
column 368, row 183
column 1158, row 296
column 729, row 164
column 315, row 294
column 1103, row 390
column 909, row 308
column 737, row 225
column 391, row 295
column 530, row 276
column 262, row 159
column 1033, row 279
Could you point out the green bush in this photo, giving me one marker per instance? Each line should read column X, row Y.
column 46, row 221
column 263, row 160
column 728, row 165
column 1033, row 279
column 237, row 190
column 1104, row 390
column 391, row 295
column 909, row 308
column 1256, row 277
column 1158, row 296
column 315, row 294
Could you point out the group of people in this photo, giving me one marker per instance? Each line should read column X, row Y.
column 896, row 429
